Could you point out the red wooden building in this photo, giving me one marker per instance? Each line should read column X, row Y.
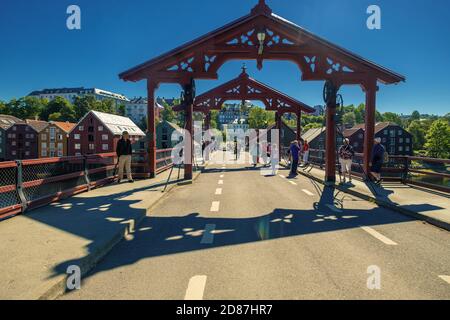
column 98, row 132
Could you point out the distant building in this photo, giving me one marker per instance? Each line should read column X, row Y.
column 164, row 132
column 237, row 126
column 319, row 110
column 22, row 140
column 53, row 140
column 232, row 113
column 317, row 138
column 6, row 121
column 71, row 93
column 394, row 138
column 287, row 135
column 98, row 132
column 136, row 109
column 38, row 126
column 356, row 137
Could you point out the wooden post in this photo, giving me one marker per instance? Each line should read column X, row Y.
column 279, row 123
column 151, row 135
column 330, row 153
column 188, row 147
column 299, row 125
column 369, row 135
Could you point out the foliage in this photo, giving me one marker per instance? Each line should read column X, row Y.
column 438, row 140
column 260, row 119
column 418, row 132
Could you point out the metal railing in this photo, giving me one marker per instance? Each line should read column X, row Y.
column 426, row 172
column 28, row 184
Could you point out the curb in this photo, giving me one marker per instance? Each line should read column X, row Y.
column 89, row 262
column 435, row 222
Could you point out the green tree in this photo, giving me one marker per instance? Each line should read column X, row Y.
column 260, row 119
column 360, row 113
column 3, row 108
column 349, row 119
column 415, row 116
column 167, row 114
column 122, row 110
column 392, row 117
column 26, row 107
column 418, row 135
column 312, row 126
column 438, row 140
column 84, row 104
column 60, row 108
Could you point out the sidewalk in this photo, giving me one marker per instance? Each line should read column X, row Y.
column 37, row 247
column 420, row 203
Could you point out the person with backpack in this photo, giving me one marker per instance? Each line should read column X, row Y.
column 346, row 154
column 379, row 156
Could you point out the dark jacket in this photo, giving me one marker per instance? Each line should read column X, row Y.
column 294, row 151
column 346, row 152
column 378, row 153
column 124, row 148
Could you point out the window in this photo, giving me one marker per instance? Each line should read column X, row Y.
column 400, row 140
column 52, row 146
column 78, row 154
column 77, row 146
column 43, row 152
column 60, row 153
column 100, row 128
column 361, row 136
column 52, row 154
column 91, row 138
column 407, row 149
column 44, row 145
column 60, row 146
column 400, row 132
column 408, row 140
column 384, row 140
column 392, row 133
column 400, row 148
column 105, row 147
column 91, row 129
column 27, row 153
column 104, row 137
column 52, row 134
column 81, row 128
column 15, row 128
column 13, row 143
column 14, row 152
column 60, row 137
column 43, row 136
column 76, row 136
column 91, row 146
column 386, row 132
column 27, row 144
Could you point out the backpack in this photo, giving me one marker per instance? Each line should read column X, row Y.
column 385, row 156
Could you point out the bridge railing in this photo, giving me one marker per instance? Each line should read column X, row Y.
column 28, row 184
column 422, row 171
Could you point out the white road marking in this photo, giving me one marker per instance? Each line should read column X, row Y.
column 293, row 183
column 281, row 176
column 208, row 236
column 196, row 288
column 218, row 191
column 333, row 208
column 220, row 181
column 215, row 206
column 445, row 278
column 379, row 236
column 222, row 175
column 308, row 192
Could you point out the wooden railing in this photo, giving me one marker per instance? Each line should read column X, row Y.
column 28, row 184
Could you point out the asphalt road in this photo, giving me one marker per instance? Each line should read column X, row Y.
column 238, row 234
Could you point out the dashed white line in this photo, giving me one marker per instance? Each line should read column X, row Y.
column 196, row 288
column 218, row 191
column 222, row 175
column 445, row 278
column 281, row 176
column 220, row 182
column 309, row 193
column 293, row 183
column 379, row 236
column 215, row 206
column 208, row 236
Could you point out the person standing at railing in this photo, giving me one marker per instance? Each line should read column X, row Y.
column 295, row 154
column 346, row 154
column 305, row 152
column 124, row 153
column 378, row 157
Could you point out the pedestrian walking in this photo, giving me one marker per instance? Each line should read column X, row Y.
column 378, row 158
column 295, row 153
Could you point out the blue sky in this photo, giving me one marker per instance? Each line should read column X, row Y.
column 38, row 51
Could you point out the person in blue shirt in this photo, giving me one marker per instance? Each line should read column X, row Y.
column 295, row 152
column 377, row 160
